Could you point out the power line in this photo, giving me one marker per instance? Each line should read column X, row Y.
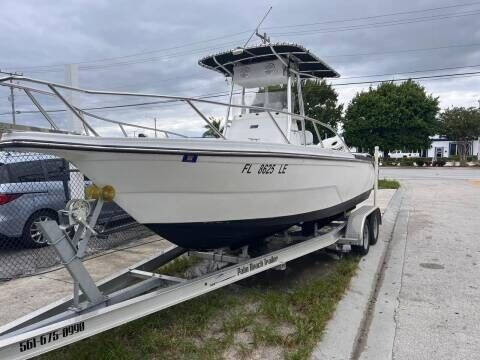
column 374, row 16
column 141, row 53
column 377, row 25
column 473, row 73
column 106, row 66
column 408, row 72
column 205, row 96
column 46, row 67
column 137, row 61
column 404, row 50
column 214, row 95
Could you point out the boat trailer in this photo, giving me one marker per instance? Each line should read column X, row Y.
column 140, row 290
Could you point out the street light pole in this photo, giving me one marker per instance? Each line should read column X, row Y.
column 12, row 100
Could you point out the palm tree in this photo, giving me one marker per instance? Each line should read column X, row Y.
column 216, row 123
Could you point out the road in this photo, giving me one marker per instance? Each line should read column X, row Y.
column 428, row 304
column 432, row 173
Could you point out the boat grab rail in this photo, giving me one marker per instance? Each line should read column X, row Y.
column 188, row 100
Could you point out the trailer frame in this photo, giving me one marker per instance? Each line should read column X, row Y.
column 139, row 291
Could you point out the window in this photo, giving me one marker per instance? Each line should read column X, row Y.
column 453, row 149
column 57, row 170
column 4, row 178
column 28, row 171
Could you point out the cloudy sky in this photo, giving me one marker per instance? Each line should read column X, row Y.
column 154, row 46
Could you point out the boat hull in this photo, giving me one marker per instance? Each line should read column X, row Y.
column 211, row 194
column 218, row 234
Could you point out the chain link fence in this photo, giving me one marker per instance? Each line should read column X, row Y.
column 33, row 187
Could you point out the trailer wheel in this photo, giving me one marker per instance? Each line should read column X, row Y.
column 374, row 228
column 365, row 247
column 308, row 228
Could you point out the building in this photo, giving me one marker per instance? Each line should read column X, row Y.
column 442, row 147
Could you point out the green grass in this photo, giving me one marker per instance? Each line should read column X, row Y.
column 388, row 184
column 179, row 265
column 239, row 320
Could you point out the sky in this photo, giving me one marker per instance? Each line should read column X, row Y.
column 154, row 46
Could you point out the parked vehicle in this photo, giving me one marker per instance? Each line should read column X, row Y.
column 33, row 187
column 397, row 154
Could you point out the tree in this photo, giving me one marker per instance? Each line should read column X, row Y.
column 216, row 123
column 392, row 116
column 462, row 125
column 320, row 101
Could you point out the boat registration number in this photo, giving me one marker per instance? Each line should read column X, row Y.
column 264, row 169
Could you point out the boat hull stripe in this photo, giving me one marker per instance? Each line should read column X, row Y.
column 154, row 150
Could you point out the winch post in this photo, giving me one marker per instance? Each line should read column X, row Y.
column 68, row 254
column 83, row 241
column 80, row 241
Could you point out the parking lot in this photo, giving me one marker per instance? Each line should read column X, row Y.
column 428, row 302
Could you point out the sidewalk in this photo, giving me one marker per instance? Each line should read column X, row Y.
column 22, row 296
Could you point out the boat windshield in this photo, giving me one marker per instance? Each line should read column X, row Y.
column 272, row 99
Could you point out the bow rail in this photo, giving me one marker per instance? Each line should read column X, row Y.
column 191, row 101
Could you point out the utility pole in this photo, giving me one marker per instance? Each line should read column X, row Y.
column 478, row 140
column 155, row 120
column 71, row 78
column 11, row 98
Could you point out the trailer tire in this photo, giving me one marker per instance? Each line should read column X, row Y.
column 366, row 234
column 308, row 228
column 374, row 227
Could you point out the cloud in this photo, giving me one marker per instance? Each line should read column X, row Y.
column 51, row 33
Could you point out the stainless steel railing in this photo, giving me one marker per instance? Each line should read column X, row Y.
column 192, row 102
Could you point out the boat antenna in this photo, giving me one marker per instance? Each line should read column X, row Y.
column 258, row 26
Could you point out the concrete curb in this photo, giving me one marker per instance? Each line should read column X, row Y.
column 386, row 304
column 343, row 337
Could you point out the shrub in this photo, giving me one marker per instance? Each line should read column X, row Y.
column 389, row 162
column 420, row 162
column 406, row 162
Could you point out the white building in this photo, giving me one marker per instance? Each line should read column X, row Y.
column 442, row 147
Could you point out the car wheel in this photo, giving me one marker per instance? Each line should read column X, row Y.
column 32, row 236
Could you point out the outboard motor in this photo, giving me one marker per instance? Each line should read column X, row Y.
column 333, row 143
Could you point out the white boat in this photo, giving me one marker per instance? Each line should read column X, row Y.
column 261, row 175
